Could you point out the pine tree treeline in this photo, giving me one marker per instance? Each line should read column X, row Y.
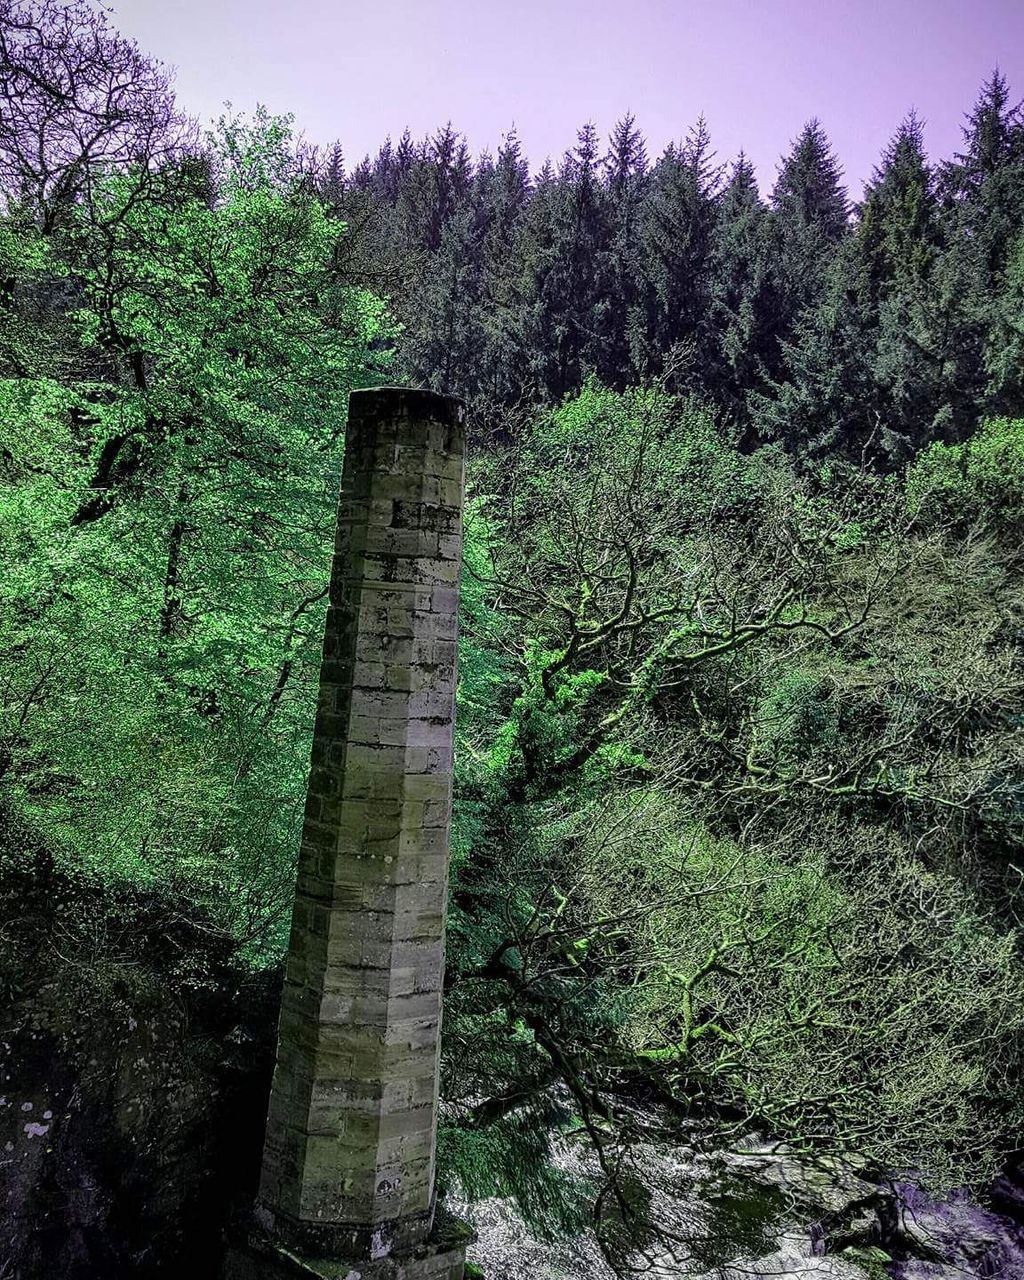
column 860, row 331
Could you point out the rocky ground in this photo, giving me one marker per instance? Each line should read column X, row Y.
column 759, row 1210
column 134, row 1068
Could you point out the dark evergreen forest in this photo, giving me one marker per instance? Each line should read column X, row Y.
column 740, row 741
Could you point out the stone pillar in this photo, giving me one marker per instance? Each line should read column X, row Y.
column 348, row 1166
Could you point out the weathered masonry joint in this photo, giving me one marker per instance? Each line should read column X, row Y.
column 347, row 1185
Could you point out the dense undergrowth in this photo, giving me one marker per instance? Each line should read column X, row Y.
column 739, row 794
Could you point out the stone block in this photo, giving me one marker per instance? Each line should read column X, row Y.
column 348, row 1165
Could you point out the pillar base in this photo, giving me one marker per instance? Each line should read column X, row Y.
column 254, row 1255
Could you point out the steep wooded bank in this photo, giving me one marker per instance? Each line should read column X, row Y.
column 739, row 769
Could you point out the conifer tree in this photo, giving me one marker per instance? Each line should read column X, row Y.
column 533, row 318
column 808, row 194
column 984, row 185
column 444, row 324
column 384, row 173
column 983, row 217
column 678, row 230
column 897, row 249
column 501, row 192
column 897, row 225
column 822, row 406
column 809, row 217
column 807, row 221
column 993, row 137
column 626, row 176
column 744, row 294
column 567, row 295
column 332, row 177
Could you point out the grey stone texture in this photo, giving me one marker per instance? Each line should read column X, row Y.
column 348, row 1166
column 256, row 1256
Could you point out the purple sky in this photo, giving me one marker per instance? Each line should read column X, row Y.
column 758, row 69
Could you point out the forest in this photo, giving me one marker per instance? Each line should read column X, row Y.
column 739, row 781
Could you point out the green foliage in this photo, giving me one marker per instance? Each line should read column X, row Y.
column 724, row 706
column 979, row 480
column 511, row 1158
column 168, row 524
column 798, row 715
column 786, row 975
column 738, row 815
